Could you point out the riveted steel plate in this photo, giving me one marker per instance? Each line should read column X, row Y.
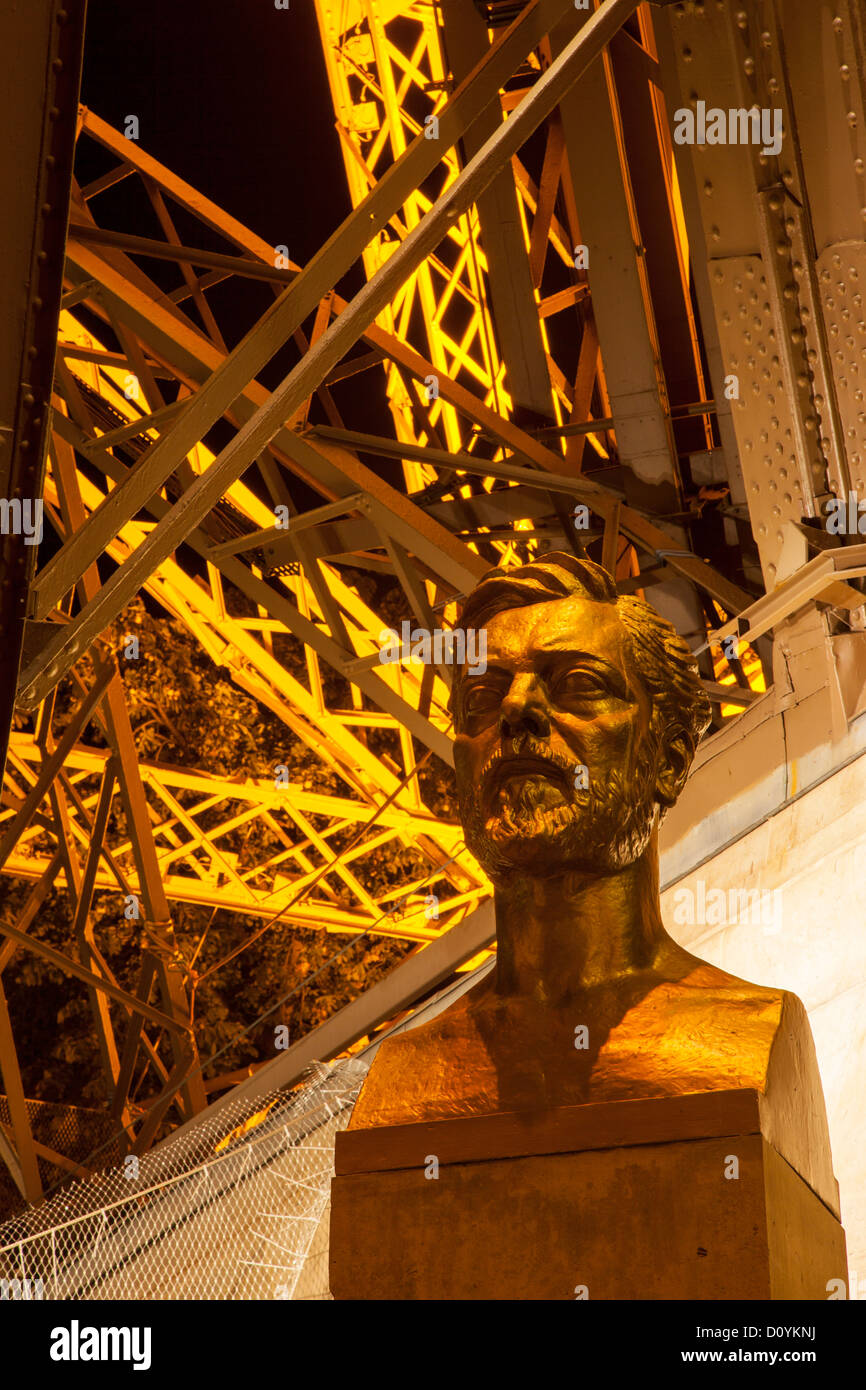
column 762, row 414
column 842, row 285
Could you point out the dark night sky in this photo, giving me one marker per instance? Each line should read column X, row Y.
column 233, row 96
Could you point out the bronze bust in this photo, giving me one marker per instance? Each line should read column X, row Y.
column 569, row 748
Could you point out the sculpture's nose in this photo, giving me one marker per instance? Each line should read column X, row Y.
column 523, row 710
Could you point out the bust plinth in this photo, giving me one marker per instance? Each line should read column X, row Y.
column 604, row 1115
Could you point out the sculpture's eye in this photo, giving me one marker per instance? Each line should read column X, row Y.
column 579, row 684
column 481, row 702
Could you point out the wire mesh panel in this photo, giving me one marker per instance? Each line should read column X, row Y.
column 235, row 1208
column 70, row 1131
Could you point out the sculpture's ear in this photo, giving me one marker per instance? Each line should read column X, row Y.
column 675, row 759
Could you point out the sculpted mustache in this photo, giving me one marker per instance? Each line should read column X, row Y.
column 526, row 748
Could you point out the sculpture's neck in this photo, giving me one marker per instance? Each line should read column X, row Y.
column 557, row 937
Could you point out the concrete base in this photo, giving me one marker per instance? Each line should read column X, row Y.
column 652, row 1220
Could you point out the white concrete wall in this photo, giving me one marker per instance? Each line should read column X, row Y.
column 813, row 854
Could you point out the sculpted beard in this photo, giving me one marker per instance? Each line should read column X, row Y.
column 601, row 828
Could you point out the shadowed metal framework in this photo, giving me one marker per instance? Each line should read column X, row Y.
column 582, row 336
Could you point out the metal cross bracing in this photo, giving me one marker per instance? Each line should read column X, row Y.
column 468, row 243
column 194, row 819
column 540, row 303
column 84, row 261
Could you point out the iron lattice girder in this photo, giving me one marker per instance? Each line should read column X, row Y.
column 194, row 866
column 189, row 597
column 240, row 646
column 324, row 354
column 254, row 668
column 416, row 524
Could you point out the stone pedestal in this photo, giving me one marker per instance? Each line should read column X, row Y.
column 677, row 1198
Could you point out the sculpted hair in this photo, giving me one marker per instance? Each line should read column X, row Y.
column 664, row 661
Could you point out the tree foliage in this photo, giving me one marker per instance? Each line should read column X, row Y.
column 187, row 712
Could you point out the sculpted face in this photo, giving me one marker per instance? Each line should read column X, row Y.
column 561, row 693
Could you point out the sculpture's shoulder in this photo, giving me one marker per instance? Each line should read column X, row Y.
column 421, row 1068
column 769, row 1026
column 721, row 1004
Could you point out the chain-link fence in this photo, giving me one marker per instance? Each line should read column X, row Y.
column 235, row 1208
column 68, row 1130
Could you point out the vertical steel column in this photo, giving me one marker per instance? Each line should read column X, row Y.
column 42, row 43
column 514, row 304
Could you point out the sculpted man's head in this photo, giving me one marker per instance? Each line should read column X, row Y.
column 580, row 733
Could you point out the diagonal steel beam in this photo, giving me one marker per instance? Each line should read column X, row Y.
column 43, row 887
column 52, row 765
column 72, row 967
